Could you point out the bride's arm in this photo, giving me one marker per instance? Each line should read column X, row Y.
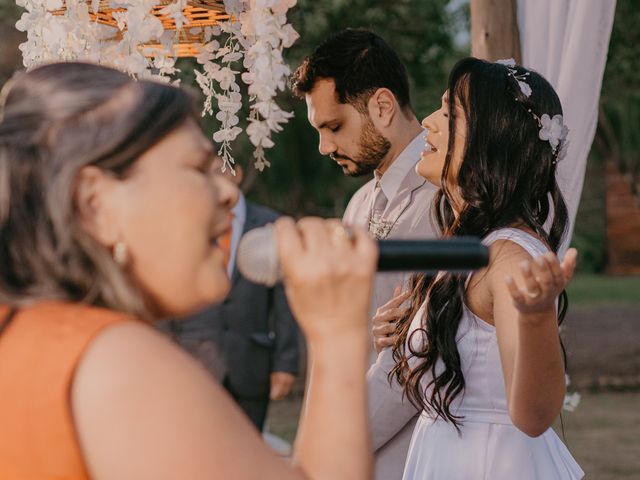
column 524, row 292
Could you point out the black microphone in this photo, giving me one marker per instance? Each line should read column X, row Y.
column 460, row 254
column 257, row 257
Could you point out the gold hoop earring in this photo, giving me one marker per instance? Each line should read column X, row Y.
column 120, row 253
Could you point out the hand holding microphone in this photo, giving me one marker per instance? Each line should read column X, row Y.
column 328, row 274
column 259, row 259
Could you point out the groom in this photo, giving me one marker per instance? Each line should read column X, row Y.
column 357, row 94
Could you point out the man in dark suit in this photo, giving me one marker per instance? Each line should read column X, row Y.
column 250, row 341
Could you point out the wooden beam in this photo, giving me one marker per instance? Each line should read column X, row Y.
column 494, row 30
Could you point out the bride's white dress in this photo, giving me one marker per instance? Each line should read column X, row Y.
column 489, row 447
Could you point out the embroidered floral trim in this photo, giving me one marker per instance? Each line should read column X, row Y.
column 379, row 228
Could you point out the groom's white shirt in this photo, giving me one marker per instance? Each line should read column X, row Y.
column 408, row 210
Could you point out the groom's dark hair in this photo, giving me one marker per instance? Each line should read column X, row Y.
column 359, row 62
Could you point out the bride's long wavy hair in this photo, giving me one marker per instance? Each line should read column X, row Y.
column 507, row 177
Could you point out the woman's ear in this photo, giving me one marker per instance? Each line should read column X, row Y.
column 95, row 202
column 383, row 106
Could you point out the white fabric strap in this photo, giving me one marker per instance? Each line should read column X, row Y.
column 532, row 245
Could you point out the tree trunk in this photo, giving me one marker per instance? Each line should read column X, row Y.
column 494, row 30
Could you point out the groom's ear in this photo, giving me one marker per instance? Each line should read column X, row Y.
column 382, row 107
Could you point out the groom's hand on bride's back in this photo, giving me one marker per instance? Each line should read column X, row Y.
column 386, row 319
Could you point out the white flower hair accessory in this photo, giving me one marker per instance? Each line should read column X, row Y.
column 552, row 129
column 510, row 63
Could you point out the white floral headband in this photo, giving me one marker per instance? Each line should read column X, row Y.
column 552, row 129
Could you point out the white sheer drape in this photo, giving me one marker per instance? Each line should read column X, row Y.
column 567, row 42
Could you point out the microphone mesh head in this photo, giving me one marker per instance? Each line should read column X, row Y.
column 257, row 257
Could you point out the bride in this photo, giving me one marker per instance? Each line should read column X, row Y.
column 480, row 356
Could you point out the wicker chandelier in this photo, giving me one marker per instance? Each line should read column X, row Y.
column 232, row 41
column 199, row 13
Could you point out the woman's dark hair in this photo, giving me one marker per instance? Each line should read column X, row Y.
column 360, row 62
column 507, row 178
column 55, row 120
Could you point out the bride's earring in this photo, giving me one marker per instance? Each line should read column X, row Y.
column 120, row 253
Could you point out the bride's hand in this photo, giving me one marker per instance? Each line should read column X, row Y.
column 542, row 280
column 328, row 273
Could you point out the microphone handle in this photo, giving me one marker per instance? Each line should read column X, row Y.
column 458, row 254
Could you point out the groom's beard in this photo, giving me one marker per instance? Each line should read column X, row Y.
column 373, row 148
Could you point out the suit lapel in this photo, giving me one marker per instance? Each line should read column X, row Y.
column 399, row 203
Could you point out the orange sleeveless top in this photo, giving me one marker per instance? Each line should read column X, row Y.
column 39, row 351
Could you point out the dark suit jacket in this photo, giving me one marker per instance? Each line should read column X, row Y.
column 248, row 336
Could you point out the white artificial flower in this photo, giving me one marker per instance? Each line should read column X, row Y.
column 27, row 21
column 141, row 25
column 53, row 4
column 227, row 134
column 259, row 134
column 508, row 62
column 247, row 78
column 281, row 6
column 233, row 7
column 223, row 51
column 277, row 118
column 553, row 130
column 165, row 64
column 227, row 118
column 210, row 32
column 525, row 88
column 176, row 11
column 230, row 103
column 207, row 52
column 121, row 20
column 211, row 69
column 288, row 35
column 232, row 57
column 261, row 161
column 54, row 35
column 204, row 83
column 571, row 401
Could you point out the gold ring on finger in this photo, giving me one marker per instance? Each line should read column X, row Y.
column 343, row 233
column 533, row 295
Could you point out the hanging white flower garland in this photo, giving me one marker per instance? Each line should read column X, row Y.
column 256, row 33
